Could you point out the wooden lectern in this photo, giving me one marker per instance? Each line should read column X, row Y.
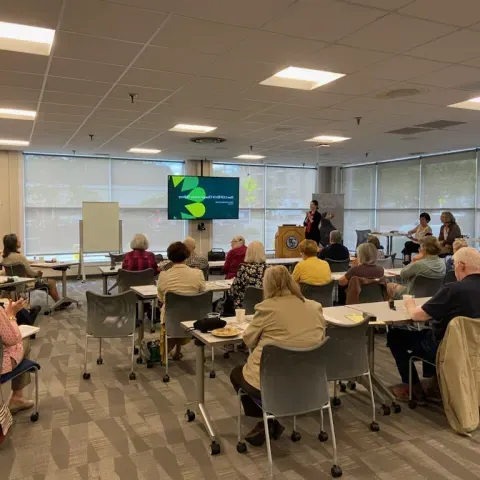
column 287, row 241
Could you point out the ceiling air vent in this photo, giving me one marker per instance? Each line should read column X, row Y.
column 398, row 93
column 207, row 140
column 439, row 124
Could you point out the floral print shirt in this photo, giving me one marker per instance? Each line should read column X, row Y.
column 248, row 275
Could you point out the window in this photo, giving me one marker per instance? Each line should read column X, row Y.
column 269, row 197
column 56, row 186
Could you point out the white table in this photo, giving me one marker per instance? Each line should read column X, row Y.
column 62, row 267
column 18, row 281
column 472, row 240
column 389, row 236
column 389, row 273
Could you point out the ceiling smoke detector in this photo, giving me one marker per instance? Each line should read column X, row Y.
column 208, row 140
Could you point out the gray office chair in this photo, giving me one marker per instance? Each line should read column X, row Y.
column 293, row 381
column 253, row 295
column 347, row 359
column 205, row 273
column 362, row 236
column 19, row 270
column 373, row 292
column 339, row 265
column 450, row 277
column 158, row 257
column 110, row 316
column 183, row 308
column 425, row 287
column 387, row 262
column 320, row 293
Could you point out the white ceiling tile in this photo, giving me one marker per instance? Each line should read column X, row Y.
column 326, row 20
column 242, row 104
column 17, row 93
column 291, row 111
column 269, row 94
column 144, row 94
column 64, row 109
column 21, row 62
column 459, row 12
column 70, row 85
column 18, row 104
column 114, row 103
column 155, row 79
column 398, row 34
column 82, row 70
column 360, row 105
column 386, row 4
column 22, row 80
column 94, row 49
column 102, row 19
column 120, row 114
column 357, row 84
column 456, row 47
column 318, row 98
column 58, row 117
column 222, row 87
column 43, row 14
column 17, row 129
column 269, row 119
column 70, row 98
column 455, row 76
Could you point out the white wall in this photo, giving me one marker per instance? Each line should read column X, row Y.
column 11, row 192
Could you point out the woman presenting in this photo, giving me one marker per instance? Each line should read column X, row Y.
column 312, row 222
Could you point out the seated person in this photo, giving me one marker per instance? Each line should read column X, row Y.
column 430, row 265
column 14, row 351
column 195, row 260
column 449, row 231
column 11, row 256
column 272, row 323
column 235, row 257
column 335, row 250
column 376, row 242
column 312, row 270
column 454, row 299
column 179, row 279
column 457, row 245
column 413, row 245
column 363, row 266
column 326, row 227
column 250, row 273
column 139, row 258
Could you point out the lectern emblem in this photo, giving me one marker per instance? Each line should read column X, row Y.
column 291, row 242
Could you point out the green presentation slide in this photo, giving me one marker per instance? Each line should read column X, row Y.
column 207, row 198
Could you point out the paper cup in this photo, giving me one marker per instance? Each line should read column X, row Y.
column 407, row 297
column 240, row 315
column 213, row 315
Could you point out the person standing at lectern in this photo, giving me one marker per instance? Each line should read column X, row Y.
column 312, row 223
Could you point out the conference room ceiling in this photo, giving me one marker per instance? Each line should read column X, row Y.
column 201, row 62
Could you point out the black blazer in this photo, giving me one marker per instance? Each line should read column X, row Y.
column 314, row 233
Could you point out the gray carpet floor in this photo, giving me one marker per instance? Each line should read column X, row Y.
column 112, row 428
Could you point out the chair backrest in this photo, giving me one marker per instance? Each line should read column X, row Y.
column 293, row 381
column 320, row 293
column 372, row 292
column 347, row 351
column 183, row 308
column 450, row 277
column 362, row 236
column 338, row 265
column 386, row 262
column 425, row 287
column 205, row 273
column 1, row 356
column 127, row 279
column 16, row 270
column 116, row 258
column 253, row 295
column 111, row 315
column 158, row 257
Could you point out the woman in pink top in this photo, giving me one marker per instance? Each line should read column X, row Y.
column 14, row 351
column 235, row 257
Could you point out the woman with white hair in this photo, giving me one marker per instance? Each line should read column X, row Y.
column 250, row 273
column 139, row 258
column 235, row 257
column 195, row 260
column 285, row 318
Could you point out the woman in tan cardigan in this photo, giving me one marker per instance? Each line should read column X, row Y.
column 285, row 318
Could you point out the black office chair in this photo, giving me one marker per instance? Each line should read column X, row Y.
column 450, row 277
column 253, row 295
column 338, row 265
column 319, row 293
column 373, row 292
column 426, row 287
column 362, row 236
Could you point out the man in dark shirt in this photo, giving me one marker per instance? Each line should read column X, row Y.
column 461, row 298
column 335, row 250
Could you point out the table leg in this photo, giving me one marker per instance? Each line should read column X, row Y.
column 105, row 285
column 65, row 298
column 141, row 315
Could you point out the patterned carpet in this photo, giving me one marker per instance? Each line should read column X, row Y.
column 112, row 428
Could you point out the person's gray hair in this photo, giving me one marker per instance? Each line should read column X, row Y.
column 238, row 239
column 367, row 254
column 139, row 242
column 335, row 236
column 449, row 215
column 255, row 252
column 470, row 257
column 190, row 243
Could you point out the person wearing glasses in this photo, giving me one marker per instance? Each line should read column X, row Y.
column 235, row 257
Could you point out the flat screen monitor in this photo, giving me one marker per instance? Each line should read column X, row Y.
column 202, row 198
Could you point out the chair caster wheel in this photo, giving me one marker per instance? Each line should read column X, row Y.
column 190, row 415
column 396, row 408
column 336, row 402
column 295, row 437
column 132, row 376
column 374, row 427
column 336, row 471
column 343, row 387
column 352, row 385
column 34, row 417
column 323, row 436
column 149, row 364
column 215, row 448
column 385, row 410
column 139, row 360
column 226, row 355
column 135, row 351
column 166, row 378
column 86, row 376
column 99, row 361
column 212, row 374
column 412, row 404
column 241, row 447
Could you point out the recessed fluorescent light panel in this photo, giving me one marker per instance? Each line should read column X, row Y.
column 250, row 157
column 17, row 114
column 327, row 139
column 146, row 151
column 26, row 39
column 472, row 104
column 301, row 78
column 14, row 143
column 184, row 127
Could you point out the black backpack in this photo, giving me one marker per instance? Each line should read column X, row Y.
column 216, row 254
